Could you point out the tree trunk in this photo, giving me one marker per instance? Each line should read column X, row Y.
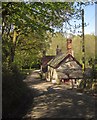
column 13, row 47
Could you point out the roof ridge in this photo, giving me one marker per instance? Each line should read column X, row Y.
column 57, row 60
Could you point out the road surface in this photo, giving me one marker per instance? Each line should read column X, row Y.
column 58, row 101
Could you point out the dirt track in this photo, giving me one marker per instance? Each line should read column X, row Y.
column 58, row 101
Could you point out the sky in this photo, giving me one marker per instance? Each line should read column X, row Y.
column 89, row 17
column 95, row 19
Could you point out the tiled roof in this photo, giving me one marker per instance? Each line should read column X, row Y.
column 45, row 60
column 56, row 61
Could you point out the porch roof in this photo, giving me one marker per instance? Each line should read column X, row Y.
column 70, row 74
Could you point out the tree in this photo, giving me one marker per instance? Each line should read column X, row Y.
column 21, row 19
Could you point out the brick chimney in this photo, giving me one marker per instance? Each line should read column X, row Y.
column 58, row 50
column 69, row 47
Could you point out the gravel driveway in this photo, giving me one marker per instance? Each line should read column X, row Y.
column 58, row 101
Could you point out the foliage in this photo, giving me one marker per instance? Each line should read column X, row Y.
column 59, row 39
column 27, row 29
column 26, row 32
column 15, row 92
column 29, row 50
column 26, row 25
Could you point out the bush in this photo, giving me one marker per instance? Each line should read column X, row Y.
column 14, row 90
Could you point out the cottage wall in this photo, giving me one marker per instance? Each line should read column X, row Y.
column 70, row 65
column 52, row 75
column 55, row 76
column 48, row 74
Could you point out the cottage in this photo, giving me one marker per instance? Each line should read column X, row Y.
column 62, row 67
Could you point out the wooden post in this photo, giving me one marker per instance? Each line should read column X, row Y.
column 83, row 42
column 83, row 48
